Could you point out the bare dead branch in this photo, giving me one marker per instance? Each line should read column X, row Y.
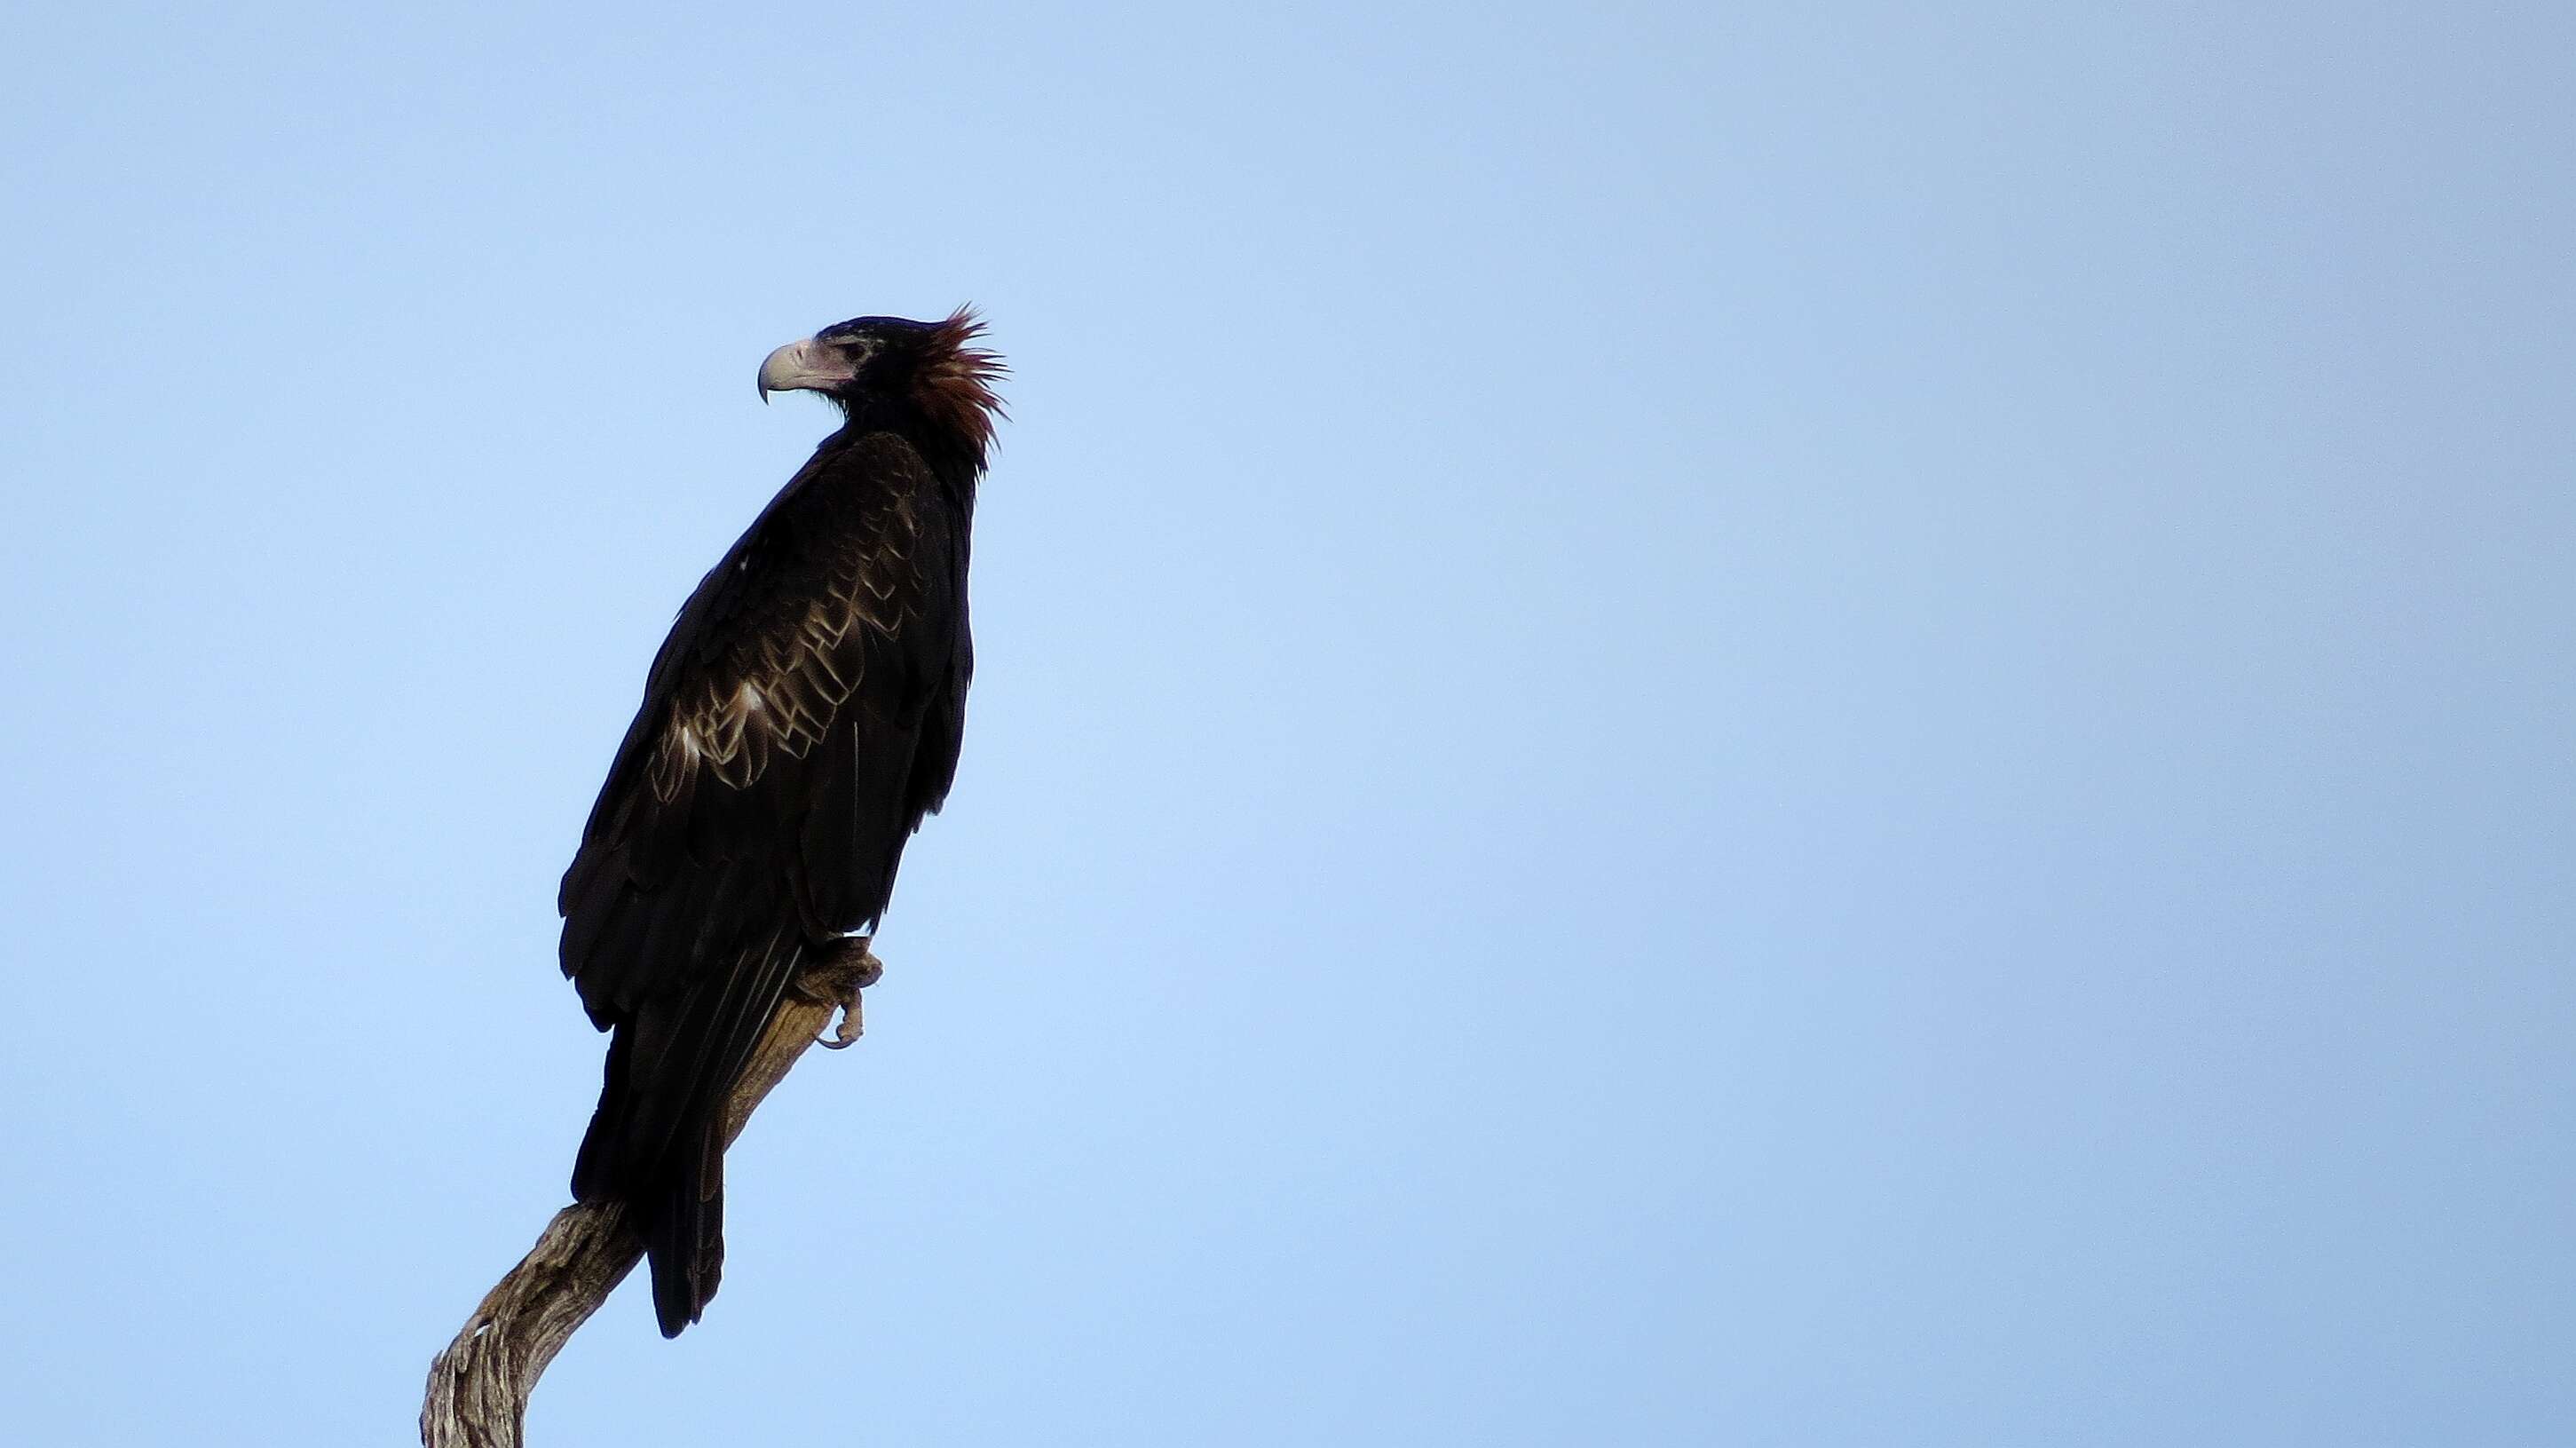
column 479, row 1386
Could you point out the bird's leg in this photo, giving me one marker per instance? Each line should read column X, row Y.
column 836, row 979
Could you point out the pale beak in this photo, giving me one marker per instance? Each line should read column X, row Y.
column 802, row 367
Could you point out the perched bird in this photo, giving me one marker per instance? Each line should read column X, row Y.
column 802, row 717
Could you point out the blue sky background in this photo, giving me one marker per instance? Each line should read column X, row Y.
column 1769, row 724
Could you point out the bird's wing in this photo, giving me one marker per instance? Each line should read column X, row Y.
column 800, row 719
column 798, row 722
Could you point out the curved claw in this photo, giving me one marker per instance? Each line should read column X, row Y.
column 845, row 1035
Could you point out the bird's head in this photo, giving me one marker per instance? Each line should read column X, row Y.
column 893, row 361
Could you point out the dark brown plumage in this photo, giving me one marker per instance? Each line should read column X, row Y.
column 802, row 717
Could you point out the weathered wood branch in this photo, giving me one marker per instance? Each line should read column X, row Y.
column 479, row 1386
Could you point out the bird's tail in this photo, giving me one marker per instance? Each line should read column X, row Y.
column 657, row 1141
column 684, row 1239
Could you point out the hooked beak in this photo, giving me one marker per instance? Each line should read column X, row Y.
column 802, row 367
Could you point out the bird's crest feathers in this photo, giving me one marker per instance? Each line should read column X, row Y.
column 954, row 386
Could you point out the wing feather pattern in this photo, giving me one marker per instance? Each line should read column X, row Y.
column 802, row 717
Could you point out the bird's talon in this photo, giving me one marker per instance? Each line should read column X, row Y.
column 837, row 981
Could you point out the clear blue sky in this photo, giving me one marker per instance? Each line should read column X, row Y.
column 1776, row 724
